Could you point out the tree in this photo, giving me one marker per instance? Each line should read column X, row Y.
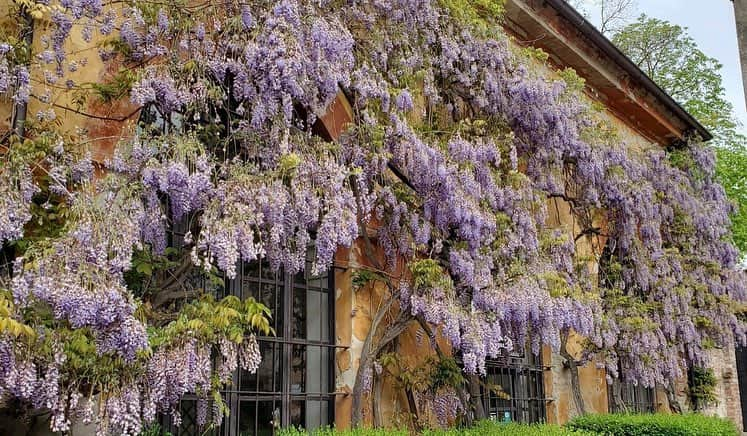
column 668, row 55
column 731, row 168
column 608, row 15
column 672, row 59
column 456, row 149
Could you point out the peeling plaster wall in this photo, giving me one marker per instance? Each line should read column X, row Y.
column 113, row 119
column 354, row 309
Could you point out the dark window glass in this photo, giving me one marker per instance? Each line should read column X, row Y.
column 294, row 384
column 253, row 417
column 513, row 389
column 632, row 398
column 189, row 427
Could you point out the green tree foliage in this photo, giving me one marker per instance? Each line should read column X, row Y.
column 731, row 169
column 667, row 54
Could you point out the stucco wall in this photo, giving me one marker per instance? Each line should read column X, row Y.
column 355, row 308
column 104, row 123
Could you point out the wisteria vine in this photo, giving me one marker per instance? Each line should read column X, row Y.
column 457, row 149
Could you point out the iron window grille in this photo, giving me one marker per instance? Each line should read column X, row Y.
column 295, row 383
column 513, row 389
column 635, row 398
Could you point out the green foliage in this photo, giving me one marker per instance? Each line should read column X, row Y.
column 145, row 264
column 154, row 430
column 509, row 429
column 431, row 375
column 446, row 372
column 575, row 82
column 673, row 60
column 427, row 273
column 288, row 165
column 702, row 387
column 654, row 425
column 208, row 319
column 8, row 324
column 480, row 15
column 361, row 277
column 556, row 284
column 535, row 53
column 483, row 428
column 116, row 88
column 731, row 170
column 351, row 432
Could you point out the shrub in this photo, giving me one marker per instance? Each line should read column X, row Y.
column 351, row 432
column 485, row 428
column 491, row 428
column 654, row 425
column 702, row 387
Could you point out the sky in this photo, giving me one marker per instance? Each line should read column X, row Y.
column 711, row 25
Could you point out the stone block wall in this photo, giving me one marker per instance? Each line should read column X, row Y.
column 724, row 365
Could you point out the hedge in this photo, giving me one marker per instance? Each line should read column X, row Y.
column 588, row 425
column 484, row 428
column 334, row 432
column 654, row 425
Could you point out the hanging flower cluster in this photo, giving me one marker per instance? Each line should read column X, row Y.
column 457, row 145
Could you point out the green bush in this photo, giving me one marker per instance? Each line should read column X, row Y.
column 588, row 425
column 491, row 428
column 485, row 428
column 333, row 432
column 654, row 425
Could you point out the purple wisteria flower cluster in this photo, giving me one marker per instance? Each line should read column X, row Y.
column 16, row 191
column 457, row 147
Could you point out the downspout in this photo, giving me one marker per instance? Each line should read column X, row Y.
column 740, row 16
column 20, row 109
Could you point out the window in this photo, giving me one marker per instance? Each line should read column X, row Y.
column 632, row 398
column 513, row 389
column 295, row 382
column 294, row 385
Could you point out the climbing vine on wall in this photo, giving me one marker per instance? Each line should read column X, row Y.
column 459, row 145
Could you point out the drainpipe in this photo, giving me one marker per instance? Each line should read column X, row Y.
column 740, row 15
column 20, row 109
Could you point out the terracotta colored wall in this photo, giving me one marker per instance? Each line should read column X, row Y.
column 354, row 309
column 561, row 407
column 110, row 121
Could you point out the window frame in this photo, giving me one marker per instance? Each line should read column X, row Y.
column 286, row 344
column 635, row 398
column 329, row 127
column 527, row 402
column 249, row 282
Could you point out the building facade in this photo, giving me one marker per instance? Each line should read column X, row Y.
column 321, row 321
